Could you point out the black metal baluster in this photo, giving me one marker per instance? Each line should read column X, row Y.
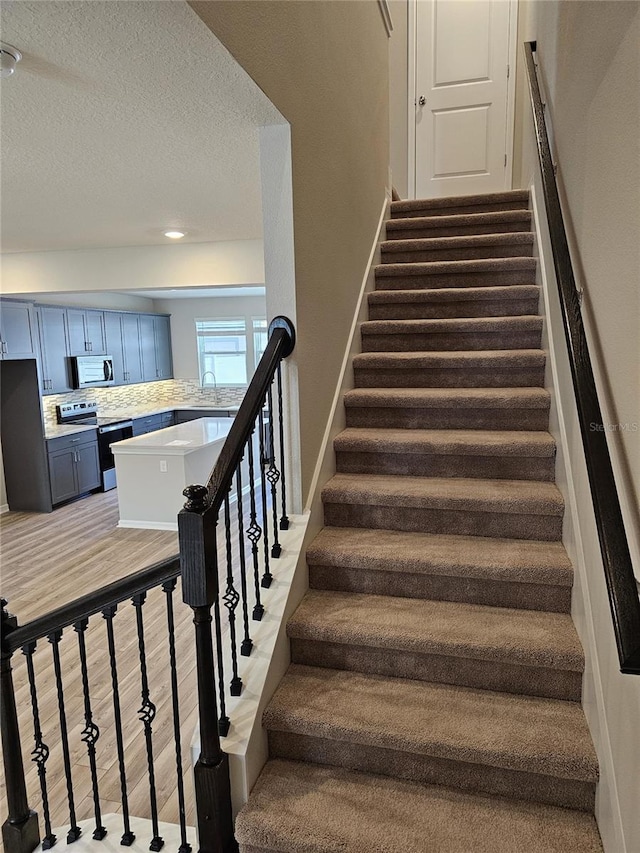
column 273, row 475
column 146, row 714
column 74, row 832
column 267, row 577
column 91, row 732
column 254, row 532
column 247, row 642
column 231, row 599
column 224, row 723
column 20, row 830
column 41, row 751
column 168, row 588
column 284, row 519
column 128, row 837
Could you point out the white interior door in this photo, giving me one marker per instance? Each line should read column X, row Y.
column 462, row 88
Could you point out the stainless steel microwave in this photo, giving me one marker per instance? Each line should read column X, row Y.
column 92, row 371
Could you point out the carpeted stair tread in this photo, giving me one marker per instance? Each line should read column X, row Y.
column 454, row 359
column 436, row 268
column 297, row 807
column 505, row 241
column 446, row 441
column 427, row 243
column 468, row 398
column 506, row 496
column 434, row 206
column 512, row 732
column 521, row 561
column 461, row 224
column 456, row 294
column 463, row 325
column 409, row 625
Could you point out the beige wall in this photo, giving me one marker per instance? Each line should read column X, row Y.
column 589, row 61
column 398, row 96
column 185, row 312
column 325, row 68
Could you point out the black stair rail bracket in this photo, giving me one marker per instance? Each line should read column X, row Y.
column 197, row 533
column 618, row 569
column 20, row 831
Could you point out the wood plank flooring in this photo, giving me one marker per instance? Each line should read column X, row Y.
column 50, row 559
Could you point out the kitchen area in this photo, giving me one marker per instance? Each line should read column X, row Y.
column 76, row 383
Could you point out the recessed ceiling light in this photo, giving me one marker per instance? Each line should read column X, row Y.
column 10, row 57
column 174, row 235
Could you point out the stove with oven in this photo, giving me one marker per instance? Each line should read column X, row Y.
column 110, row 430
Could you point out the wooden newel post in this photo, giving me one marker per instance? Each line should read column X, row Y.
column 199, row 568
column 20, row 832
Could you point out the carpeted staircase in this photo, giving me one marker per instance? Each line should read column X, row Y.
column 433, row 699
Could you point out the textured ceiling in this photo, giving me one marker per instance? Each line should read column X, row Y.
column 125, row 118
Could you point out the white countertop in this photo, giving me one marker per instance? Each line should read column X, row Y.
column 176, row 440
column 59, row 430
column 133, row 412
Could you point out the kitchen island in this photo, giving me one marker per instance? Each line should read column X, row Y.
column 153, row 469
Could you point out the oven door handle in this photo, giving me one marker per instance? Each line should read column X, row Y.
column 113, row 427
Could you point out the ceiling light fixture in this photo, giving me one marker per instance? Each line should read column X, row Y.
column 174, row 235
column 10, row 57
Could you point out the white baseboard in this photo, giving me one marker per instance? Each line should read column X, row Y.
column 246, row 743
column 4, row 508
column 325, row 465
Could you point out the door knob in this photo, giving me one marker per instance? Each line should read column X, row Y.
column 422, row 100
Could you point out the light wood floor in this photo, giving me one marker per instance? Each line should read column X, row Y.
column 50, row 559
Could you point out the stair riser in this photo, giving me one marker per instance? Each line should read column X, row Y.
column 453, row 310
column 505, row 278
column 464, row 253
column 547, row 528
column 465, row 671
column 478, row 778
column 450, row 465
column 448, row 378
column 409, row 418
column 454, row 341
column 521, row 596
column 434, row 229
column 459, row 209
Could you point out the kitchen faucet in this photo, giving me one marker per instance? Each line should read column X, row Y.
column 215, row 384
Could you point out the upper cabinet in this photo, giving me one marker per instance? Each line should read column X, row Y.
column 155, row 346
column 55, row 367
column 17, row 331
column 140, row 344
column 86, row 332
column 123, row 344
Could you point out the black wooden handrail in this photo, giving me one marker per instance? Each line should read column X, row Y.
column 618, row 569
column 92, row 603
column 280, row 344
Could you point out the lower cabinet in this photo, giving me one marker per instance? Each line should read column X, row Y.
column 151, row 423
column 74, row 466
column 183, row 416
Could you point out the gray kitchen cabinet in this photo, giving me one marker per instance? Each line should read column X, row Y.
column 141, row 426
column 17, row 331
column 155, row 346
column 131, row 347
column 151, row 423
column 122, row 333
column 163, row 347
column 86, row 332
column 183, row 416
column 74, row 465
column 55, row 376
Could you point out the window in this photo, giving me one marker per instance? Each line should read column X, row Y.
column 229, row 349
column 259, row 338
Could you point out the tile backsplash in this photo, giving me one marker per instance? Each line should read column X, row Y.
column 186, row 392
